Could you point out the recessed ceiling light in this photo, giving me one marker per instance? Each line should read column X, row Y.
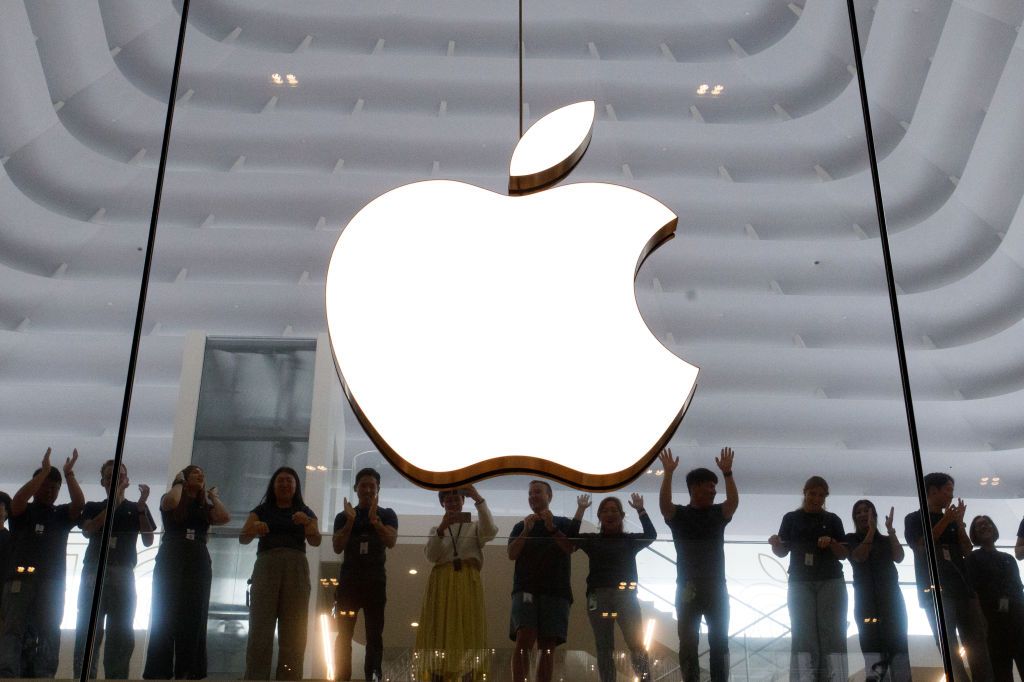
column 413, row 571
column 276, row 79
column 414, row 624
column 702, row 89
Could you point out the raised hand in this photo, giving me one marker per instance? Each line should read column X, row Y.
column 529, row 521
column 583, row 501
column 961, row 510
column 888, row 521
column 636, row 501
column 472, row 494
column 143, row 494
column 373, row 512
column 668, row 462
column 724, row 460
column 349, row 511
column 45, row 466
column 69, row 463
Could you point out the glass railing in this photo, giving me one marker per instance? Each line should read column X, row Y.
column 760, row 627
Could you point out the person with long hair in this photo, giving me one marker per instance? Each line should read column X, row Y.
column 813, row 539
column 995, row 576
column 280, row 579
column 612, row 581
column 451, row 641
column 181, row 579
column 878, row 604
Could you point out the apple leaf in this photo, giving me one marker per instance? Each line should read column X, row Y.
column 551, row 147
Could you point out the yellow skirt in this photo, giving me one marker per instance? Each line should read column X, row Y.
column 451, row 641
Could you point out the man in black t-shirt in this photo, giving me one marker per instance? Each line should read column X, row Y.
column 960, row 607
column 698, row 530
column 117, row 606
column 363, row 533
column 33, row 593
column 541, row 588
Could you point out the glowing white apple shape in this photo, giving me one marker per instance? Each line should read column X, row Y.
column 477, row 334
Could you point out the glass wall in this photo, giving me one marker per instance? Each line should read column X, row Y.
column 81, row 123
column 743, row 118
column 947, row 172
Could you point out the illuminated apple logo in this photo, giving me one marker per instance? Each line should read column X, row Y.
column 477, row 334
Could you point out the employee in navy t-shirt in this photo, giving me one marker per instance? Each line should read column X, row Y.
column 960, row 608
column 996, row 578
column 698, row 530
column 280, row 579
column 541, row 588
column 813, row 539
column 363, row 533
column 33, row 594
column 117, row 606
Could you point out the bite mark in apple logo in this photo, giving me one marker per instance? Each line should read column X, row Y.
column 478, row 334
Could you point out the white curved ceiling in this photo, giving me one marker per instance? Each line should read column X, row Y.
column 774, row 285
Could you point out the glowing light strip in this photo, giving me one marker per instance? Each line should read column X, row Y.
column 325, row 637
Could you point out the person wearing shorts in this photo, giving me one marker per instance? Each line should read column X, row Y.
column 363, row 534
column 541, row 591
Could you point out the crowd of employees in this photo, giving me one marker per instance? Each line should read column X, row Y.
column 981, row 593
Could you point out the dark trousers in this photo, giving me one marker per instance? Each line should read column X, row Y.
column 279, row 596
column 881, row 616
column 1005, row 639
column 963, row 615
column 606, row 607
column 179, row 611
column 371, row 599
column 30, row 627
column 709, row 599
column 116, row 617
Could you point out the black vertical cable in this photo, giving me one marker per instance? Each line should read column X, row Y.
column 133, row 358
column 520, row 50
column 901, row 354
